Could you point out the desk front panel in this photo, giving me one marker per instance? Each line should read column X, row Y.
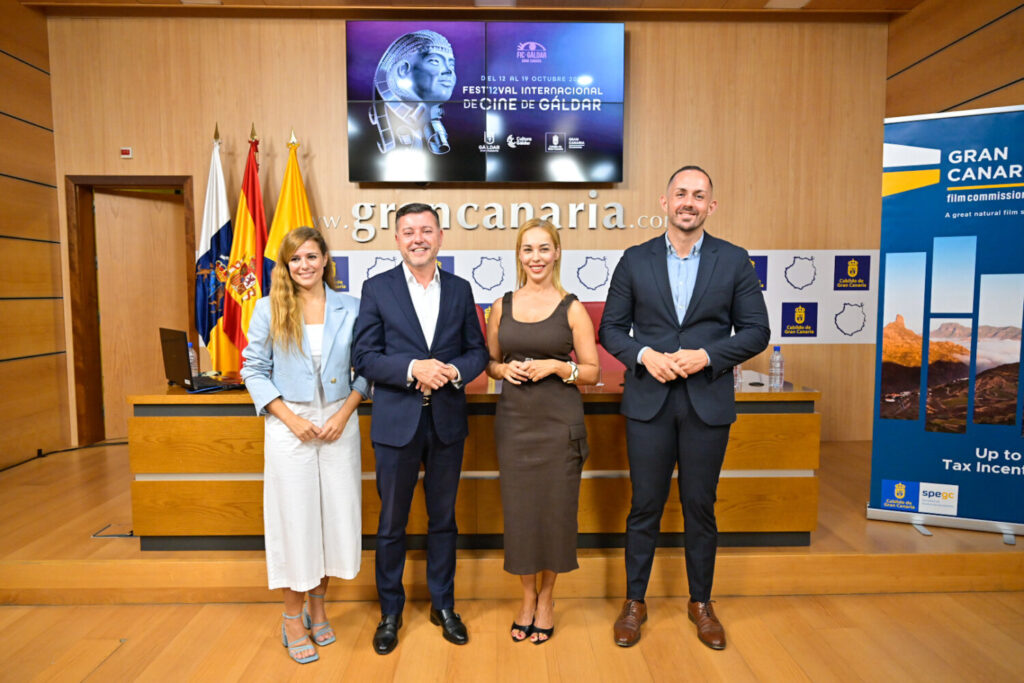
column 198, row 466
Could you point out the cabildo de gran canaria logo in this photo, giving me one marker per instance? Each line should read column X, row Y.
column 899, row 495
column 994, row 169
column 852, row 271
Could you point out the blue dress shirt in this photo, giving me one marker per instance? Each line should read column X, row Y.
column 682, row 276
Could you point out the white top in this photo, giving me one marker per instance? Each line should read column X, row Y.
column 315, row 335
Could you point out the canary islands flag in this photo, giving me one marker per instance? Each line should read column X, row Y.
column 245, row 273
column 212, row 261
column 292, row 210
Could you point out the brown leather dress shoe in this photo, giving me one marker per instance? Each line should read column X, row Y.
column 709, row 629
column 627, row 626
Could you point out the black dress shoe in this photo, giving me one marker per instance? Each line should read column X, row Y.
column 452, row 628
column 386, row 637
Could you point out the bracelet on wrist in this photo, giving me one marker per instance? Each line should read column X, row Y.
column 574, row 373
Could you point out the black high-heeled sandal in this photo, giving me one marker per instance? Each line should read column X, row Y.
column 543, row 632
column 547, row 632
column 527, row 630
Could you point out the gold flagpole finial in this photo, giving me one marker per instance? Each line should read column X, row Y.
column 216, row 132
column 252, row 135
column 293, row 141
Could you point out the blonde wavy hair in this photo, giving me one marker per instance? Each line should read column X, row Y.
column 285, row 312
column 556, row 269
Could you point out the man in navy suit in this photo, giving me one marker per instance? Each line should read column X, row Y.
column 418, row 340
column 673, row 306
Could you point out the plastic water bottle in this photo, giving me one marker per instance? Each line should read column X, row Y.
column 737, row 377
column 776, row 370
column 193, row 360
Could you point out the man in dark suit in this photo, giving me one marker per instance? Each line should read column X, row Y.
column 672, row 307
column 418, row 340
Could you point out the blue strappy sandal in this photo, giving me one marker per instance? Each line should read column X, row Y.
column 322, row 627
column 296, row 645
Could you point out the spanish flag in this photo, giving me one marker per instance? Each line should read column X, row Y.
column 292, row 209
column 244, row 275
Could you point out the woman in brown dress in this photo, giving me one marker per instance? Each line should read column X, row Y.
column 541, row 438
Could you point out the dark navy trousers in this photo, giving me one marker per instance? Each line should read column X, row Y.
column 397, row 473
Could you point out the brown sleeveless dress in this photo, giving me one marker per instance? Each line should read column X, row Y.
column 541, row 444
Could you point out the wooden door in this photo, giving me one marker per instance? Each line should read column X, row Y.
column 139, row 252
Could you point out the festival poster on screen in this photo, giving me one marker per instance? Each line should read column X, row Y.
column 948, row 401
column 485, row 101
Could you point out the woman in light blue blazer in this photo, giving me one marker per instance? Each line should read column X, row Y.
column 298, row 370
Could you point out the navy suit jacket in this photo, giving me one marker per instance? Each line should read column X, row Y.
column 388, row 337
column 726, row 296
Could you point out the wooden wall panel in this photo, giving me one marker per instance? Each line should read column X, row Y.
column 1011, row 95
column 35, row 391
column 784, row 115
column 23, row 33
column 33, row 407
column 806, row 89
column 947, row 54
column 935, row 24
column 28, row 210
column 981, row 62
column 31, row 327
column 26, row 151
column 29, row 269
column 25, row 91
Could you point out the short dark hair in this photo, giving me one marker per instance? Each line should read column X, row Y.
column 690, row 167
column 416, row 207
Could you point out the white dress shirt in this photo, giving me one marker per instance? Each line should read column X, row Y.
column 426, row 301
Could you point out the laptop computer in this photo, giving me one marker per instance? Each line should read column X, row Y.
column 178, row 368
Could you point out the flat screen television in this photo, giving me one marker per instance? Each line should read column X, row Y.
column 437, row 101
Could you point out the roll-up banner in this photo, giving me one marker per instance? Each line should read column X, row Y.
column 948, row 447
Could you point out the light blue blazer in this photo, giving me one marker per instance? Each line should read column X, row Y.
column 270, row 371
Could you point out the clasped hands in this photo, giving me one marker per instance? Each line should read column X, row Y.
column 518, row 371
column 433, row 374
column 666, row 367
column 305, row 430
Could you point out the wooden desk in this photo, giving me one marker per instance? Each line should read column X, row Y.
column 197, row 463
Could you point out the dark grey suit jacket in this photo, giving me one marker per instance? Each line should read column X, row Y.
column 726, row 295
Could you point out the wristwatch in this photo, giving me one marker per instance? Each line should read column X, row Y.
column 574, row 373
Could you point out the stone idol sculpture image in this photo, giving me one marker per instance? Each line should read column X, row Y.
column 414, row 76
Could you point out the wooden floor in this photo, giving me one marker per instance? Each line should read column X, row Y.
column 867, row 600
column 918, row 637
